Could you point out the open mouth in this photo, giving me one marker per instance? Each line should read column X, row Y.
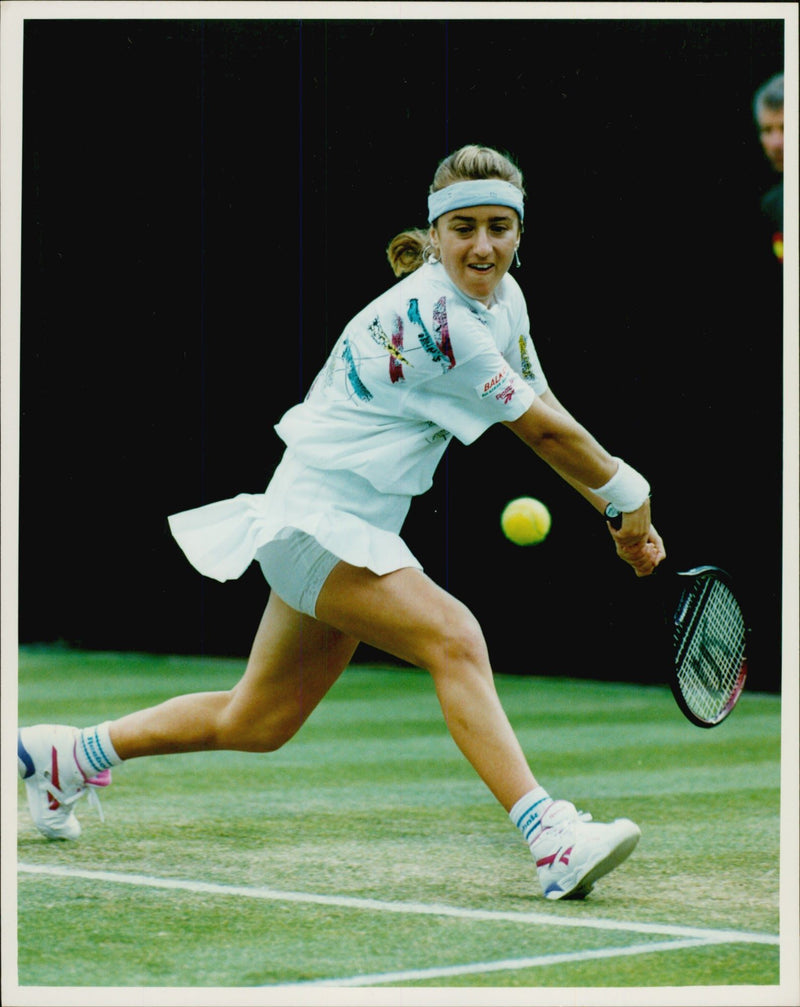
column 481, row 267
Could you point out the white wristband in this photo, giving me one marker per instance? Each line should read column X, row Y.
column 627, row 490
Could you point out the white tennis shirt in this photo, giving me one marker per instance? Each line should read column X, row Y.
column 420, row 364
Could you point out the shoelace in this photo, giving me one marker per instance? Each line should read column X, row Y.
column 551, row 831
column 89, row 787
column 95, row 800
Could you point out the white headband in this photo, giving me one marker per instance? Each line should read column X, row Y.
column 476, row 192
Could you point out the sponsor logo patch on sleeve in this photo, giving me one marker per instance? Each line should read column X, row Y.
column 501, row 386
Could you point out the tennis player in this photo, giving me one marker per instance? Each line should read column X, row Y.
column 445, row 352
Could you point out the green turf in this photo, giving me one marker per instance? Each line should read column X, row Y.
column 373, row 800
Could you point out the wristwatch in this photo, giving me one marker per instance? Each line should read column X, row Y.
column 613, row 516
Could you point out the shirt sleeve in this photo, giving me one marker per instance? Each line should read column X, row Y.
column 521, row 353
column 472, row 396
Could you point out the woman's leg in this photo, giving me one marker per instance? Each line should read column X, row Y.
column 293, row 662
column 296, row 659
column 406, row 614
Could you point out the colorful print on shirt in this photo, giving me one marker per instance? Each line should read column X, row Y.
column 441, row 352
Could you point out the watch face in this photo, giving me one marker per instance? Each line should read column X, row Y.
column 613, row 516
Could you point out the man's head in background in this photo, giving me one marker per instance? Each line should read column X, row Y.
column 768, row 112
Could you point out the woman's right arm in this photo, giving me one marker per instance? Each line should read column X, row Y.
column 557, row 437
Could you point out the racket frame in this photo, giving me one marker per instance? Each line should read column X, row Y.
column 711, row 574
column 672, row 615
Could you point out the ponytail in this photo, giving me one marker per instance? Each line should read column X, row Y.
column 407, row 251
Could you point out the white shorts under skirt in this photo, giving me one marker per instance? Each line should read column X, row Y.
column 306, row 521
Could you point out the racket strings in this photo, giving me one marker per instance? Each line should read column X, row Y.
column 710, row 647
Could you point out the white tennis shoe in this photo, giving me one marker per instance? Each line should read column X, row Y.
column 53, row 780
column 572, row 851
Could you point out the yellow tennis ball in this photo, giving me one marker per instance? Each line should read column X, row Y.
column 525, row 521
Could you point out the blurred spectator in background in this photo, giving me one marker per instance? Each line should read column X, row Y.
column 768, row 112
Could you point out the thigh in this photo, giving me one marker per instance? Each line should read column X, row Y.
column 294, row 661
column 404, row 613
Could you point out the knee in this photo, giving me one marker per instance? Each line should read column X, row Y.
column 264, row 743
column 249, row 730
column 457, row 644
column 255, row 737
column 267, row 737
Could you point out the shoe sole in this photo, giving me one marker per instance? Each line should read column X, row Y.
column 584, row 884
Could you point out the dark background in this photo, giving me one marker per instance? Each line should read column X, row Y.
column 206, row 203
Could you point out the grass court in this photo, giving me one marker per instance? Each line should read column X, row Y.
column 366, row 853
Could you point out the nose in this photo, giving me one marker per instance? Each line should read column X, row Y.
column 483, row 244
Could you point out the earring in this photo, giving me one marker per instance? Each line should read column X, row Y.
column 429, row 254
column 516, row 256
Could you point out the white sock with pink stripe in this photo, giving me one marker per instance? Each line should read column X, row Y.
column 94, row 752
column 527, row 813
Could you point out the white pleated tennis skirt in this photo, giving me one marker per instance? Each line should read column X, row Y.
column 298, row 530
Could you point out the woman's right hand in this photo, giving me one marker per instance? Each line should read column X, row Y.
column 637, row 542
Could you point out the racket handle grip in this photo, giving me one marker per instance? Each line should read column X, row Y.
column 613, row 516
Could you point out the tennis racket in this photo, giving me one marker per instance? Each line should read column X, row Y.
column 708, row 639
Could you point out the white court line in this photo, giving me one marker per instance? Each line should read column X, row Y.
column 377, row 905
column 507, row 965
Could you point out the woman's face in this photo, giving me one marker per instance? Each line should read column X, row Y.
column 476, row 245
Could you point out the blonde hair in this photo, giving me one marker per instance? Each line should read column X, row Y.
column 408, row 250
